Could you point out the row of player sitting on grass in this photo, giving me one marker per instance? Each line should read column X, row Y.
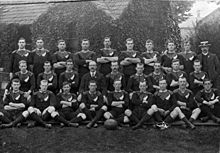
column 164, row 106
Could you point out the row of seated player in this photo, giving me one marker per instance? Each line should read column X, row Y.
column 105, row 83
column 164, row 106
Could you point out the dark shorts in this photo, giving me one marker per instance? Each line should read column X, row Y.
column 187, row 113
column 117, row 112
column 69, row 113
column 139, row 112
column 12, row 114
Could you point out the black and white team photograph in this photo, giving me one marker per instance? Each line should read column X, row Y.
column 109, row 76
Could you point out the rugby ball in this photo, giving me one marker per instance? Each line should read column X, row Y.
column 111, row 124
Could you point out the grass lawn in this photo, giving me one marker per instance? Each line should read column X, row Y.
column 70, row 140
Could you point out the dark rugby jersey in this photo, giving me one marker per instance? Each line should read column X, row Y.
column 42, row 100
column 175, row 75
column 154, row 78
column 16, row 56
column 129, row 69
column 17, row 97
column 207, row 96
column 68, row 97
column 118, row 96
column 147, row 68
column 111, row 77
column 27, row 81
column 134, row 80
column 70, row 77
column 187, row 97
column 200, row 76
column 59, row 56
column 166, row 59
column 105, row 68
column 37, row 60
column 165, row 100
column 141, row 100
column 51, row 78
column 80, row 60
column 189, row 59
column 95, row 99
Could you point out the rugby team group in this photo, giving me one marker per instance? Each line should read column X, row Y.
column 131, row 87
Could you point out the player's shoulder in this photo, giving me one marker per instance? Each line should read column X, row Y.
column 50, row 92
column 53, row 73
column 15, row 51
column 108, row 75
column 191, row 73
column 125, row 92
column 215, row 90
column 175, row 91
column 170, row 92
column 99, row 93
column 59, row 94
column 133, row 76
column 36, row 93
column 85, row 93
column 55, row 53
column 123, row 52
column 30, row 73
column 46, row 50
column 189, row 91
column 21, row 92
column 91, row 52
column 40, row 74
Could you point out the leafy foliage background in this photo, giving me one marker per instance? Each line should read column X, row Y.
column 141, row 20
column 8, row 41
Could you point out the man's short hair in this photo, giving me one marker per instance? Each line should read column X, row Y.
column 170, row 41
column 182, row 78
column 186, row 42
column 139, row 64
column 157, row 61
column 175, row 60
column 207, row 79
column 39, row 38
column 129, row 39
column 85, row 40
column 141, row 82
column 92, row 81
column 61, row 40
column 114, row 62
column 22, row 61
column 16, row 80
column 162, row 79
column 149, row 41
column 116, row 80
column 92, row 63
column 107, row 38
column 43, row 81
column 21, row 38
column 65, row 83
column 47, row 62
column 69, row 61
column 197, row 61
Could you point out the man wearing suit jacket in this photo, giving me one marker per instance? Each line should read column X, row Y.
column 93, row 75
column 210, row 63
